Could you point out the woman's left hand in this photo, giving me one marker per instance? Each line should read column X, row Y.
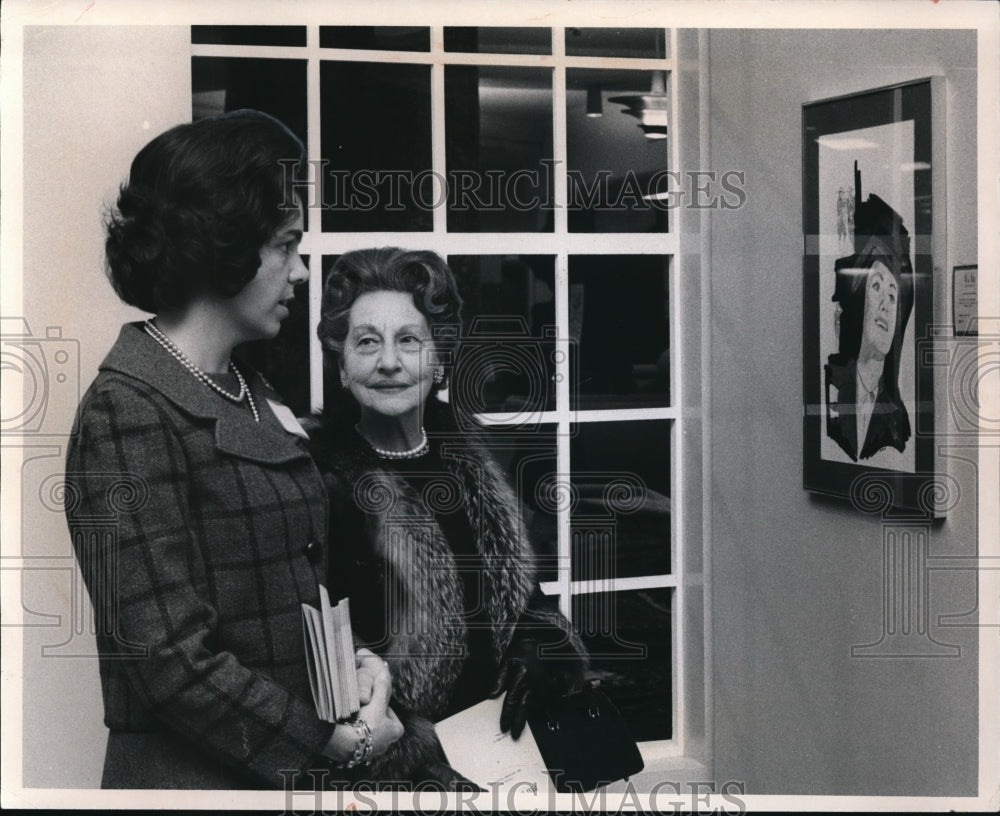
column 368, row 665
column 532, row 681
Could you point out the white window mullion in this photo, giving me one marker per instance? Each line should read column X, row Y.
column 626, row 415
column 611, row 584
column 562, row 368
column 296, row 52
column 608, row 415
column 677, row 397
column 559, row 148
column 314, row 150
column 499, row 243
column 563, row 429
column 439, row 154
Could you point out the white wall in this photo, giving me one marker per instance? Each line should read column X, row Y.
column 797, row 579
column 93, row 95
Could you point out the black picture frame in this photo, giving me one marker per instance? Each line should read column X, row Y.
column 868, row 201
column 964, row 300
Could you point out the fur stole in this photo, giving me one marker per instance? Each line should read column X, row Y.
column 426, row 635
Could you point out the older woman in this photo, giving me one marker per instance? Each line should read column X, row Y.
column 196, row 512
column 874, row 297
column 429, row 546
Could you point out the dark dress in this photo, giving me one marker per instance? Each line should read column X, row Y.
column 369, row 580
column 889, row 425
column 435, row 559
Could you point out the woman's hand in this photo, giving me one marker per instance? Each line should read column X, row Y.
column 368, row 664
column 532, row 681
column 385, row 725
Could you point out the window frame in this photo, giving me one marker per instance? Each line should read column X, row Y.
column 685, row 369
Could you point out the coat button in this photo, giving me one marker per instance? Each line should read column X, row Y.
column 313, row 551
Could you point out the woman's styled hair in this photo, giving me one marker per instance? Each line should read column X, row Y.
column 200, row 201
column 420, row 273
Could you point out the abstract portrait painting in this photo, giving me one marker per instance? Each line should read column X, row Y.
column 868, row 290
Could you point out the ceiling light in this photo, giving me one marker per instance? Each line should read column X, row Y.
column 595, row 107
column 650, row 109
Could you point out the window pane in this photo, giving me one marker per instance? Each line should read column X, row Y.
column 376, row 139
column 498, row 40
column 528, row 457
column 498, row 127
column 628, row 637
column 620, row 521
column 617, row 42
column 248, row 35
column 619, row 320
column 377, row 38
column 275, row 86
column 284, row 361
column 506, row 362
column 616, row 171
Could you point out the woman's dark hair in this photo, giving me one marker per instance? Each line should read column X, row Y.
column 200, row 201
column 420, row 273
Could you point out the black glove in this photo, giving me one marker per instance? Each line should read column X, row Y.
column 533, row 681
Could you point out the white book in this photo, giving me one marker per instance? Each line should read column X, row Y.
column 347, row 646
column 331, row 642
column 316, row 660
column 330, row 658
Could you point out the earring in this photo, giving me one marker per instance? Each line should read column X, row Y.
column 343, row 380
column 438, row 375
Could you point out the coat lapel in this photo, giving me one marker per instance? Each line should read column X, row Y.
column 137, row 355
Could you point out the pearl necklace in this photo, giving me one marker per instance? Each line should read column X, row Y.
column 421, row 448
column 155, row 332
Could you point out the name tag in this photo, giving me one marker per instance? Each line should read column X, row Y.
column 287, row 419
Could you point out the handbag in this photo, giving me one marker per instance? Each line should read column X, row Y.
column 585, row 742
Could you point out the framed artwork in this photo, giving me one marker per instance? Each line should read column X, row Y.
column 965, row 300
column 869, row 217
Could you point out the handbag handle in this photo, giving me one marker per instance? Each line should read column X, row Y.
column 587, row 695
column 585, row 741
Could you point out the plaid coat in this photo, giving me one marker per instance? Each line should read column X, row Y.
column 199, row 534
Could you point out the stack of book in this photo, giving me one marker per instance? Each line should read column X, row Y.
column 330, row 658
